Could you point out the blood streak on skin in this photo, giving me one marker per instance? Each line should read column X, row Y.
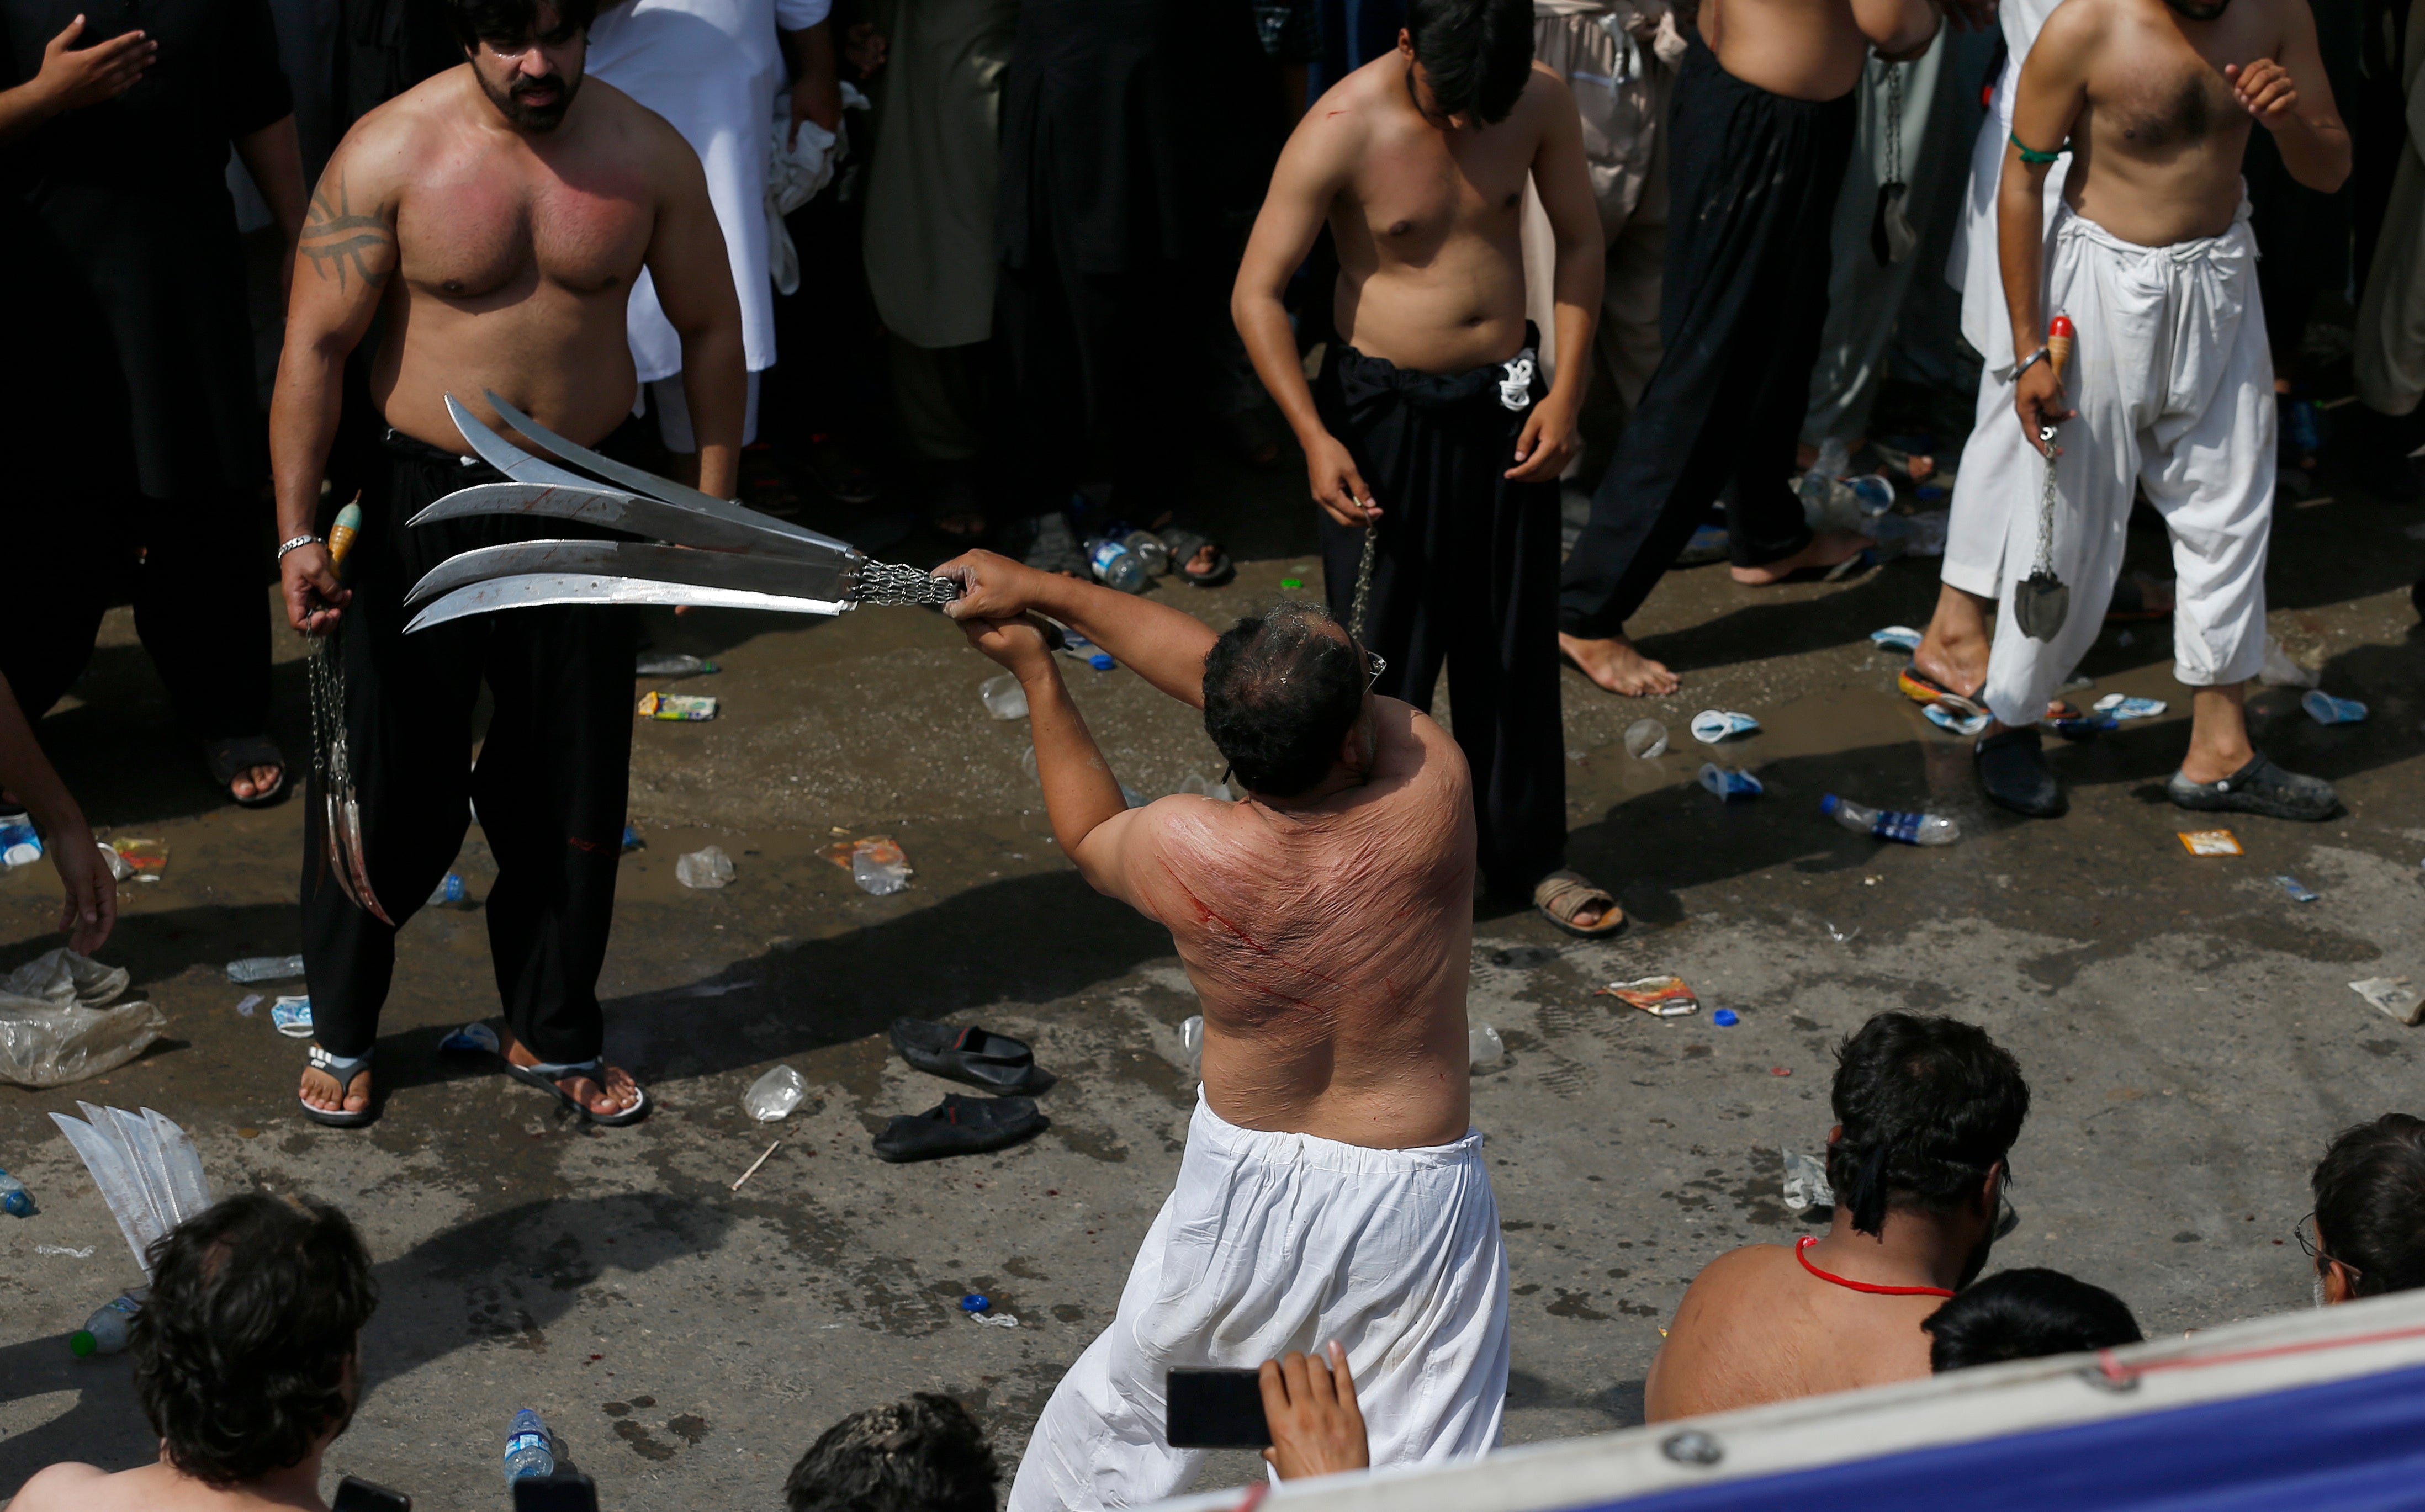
column 1206, row 915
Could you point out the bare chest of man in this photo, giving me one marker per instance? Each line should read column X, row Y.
column 1424, row 193
column 2165, row 98
column 489, row 236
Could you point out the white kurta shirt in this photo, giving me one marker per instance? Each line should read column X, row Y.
column 710, row 68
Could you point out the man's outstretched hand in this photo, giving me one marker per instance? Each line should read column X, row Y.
column 992, row 586
column 1017, row 642
column 1317, row 1429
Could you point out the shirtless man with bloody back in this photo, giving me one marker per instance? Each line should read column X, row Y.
column 493, row 221
column 1332, row 1188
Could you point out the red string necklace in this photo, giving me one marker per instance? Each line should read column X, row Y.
column 1807, row 1241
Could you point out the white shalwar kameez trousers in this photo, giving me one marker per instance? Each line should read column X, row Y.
column 1274, row 1241
column 2173, row 386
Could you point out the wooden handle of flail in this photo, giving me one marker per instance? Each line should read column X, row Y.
column 2059, row 334
column 349, row 524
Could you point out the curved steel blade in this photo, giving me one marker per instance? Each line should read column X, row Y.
column 505, row 456
column 649, row 483
column 532, row 589
column 677, row 565
column 594, row 504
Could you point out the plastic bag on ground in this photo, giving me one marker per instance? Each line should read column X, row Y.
column 1004, row 697
column 877, row 866
column 1806, row 1183
column 709, row 868
column 2281, row 671
column 775, row 1095
column 60, row 1020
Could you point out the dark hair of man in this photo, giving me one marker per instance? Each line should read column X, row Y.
column 2370, row 1203
column 240, row 1351
column 512, row 21
column 1476, row 53
column 2026, row 1314
column 1281, row 691
column 925, row 1455
column 1927, row 1106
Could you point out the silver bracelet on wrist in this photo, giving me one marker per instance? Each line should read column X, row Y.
column 2041, row 355
column 285, row 546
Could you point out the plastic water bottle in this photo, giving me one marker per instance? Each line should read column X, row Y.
column 528, row 1449
column 1117, row 567
column 264, row 968
column 1149, row 549
column 1903, row 829
column 14, row 1199
column 105, row 1332
column 449, row 893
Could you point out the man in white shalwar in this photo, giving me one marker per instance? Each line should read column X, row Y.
column 2151, row 258
column 712, row 68
column 1333, row 1190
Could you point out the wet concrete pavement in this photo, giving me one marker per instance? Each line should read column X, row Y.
column 2188, row 1028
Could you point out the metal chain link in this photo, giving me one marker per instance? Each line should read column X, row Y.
column 1894, row 123
column 331, row 763
column 889, row 584
column 1363, row 582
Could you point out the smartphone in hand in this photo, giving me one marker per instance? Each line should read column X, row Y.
column 1214, row 1409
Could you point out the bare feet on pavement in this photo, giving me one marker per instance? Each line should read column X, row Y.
column 1826, row 549
column 620, row 1093
column 1617, row 665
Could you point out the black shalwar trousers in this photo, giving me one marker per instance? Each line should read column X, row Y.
column 1465, row 576
column 1756, row 177
column 551, row 781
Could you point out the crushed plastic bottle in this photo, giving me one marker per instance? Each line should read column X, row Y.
column 877, row 866
column 1004, row 697
column 529, row 1451
column 1484, row 1048
column 14, row 1199
column 264, row 968
column 1727, row 783
column 1645, row 739
column 671, row 664
column 2326, row 710
column 709, row 868
column 449, row 893
column 774, row 1095
column 1903, row 829
column 62, row 1021
column 1150, row 549
column 1116, row 566
column 105, row 1332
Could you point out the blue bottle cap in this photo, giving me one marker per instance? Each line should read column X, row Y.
column 976, row 1302
column 1724, row 1019
column 1101, row 662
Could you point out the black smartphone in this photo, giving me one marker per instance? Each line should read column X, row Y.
column 555, row 1493
column 355, row 1494
column 1214, row 1409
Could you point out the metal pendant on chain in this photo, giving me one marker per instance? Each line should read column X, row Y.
column 1891, row 239
column 2041, row 602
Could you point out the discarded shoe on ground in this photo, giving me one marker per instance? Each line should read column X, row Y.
column 981, row 1058
column 960, row 1126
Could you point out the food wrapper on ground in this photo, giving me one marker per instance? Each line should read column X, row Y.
column 875, row 862
column 2210, row 843
column 684, row 706
column 148, row 857
column 60, row 1020
column 1806, row 1181
column 1662, row 997
column 2394, row 995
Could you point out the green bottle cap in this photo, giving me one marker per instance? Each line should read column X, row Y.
column 81, row 1343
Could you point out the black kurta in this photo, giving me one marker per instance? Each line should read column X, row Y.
column 121, row 211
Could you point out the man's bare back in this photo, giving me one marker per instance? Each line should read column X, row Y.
column 76, row 1487
column 1329, row 944
column 1758, row 1328
column 1431, row 274
column 2155, row 104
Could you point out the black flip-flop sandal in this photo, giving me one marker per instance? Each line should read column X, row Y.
column 344, row 1070
column 960, row 1126
column 233, row 755
column 548, row 1073
column 1184, row 545
column 980, row 1057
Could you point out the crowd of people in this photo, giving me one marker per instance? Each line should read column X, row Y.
column 1479, row 255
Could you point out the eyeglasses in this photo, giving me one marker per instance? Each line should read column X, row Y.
column 2304, row 1232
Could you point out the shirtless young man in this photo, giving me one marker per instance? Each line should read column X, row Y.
column 2151, row 257
column 1926, row 1114
column 1332, row 1188
column 1762, row 128
column 1430, row 425
column 495, row 217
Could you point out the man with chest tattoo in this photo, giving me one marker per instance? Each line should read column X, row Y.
column 1430, row 429
column 491, row 222
column 2170, row 388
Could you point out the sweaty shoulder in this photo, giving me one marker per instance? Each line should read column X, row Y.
column 646, row 137
column 63, row 1486
column 2074, row 25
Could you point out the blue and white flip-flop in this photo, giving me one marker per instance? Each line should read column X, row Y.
column 547, row 1073
column 344, row 1070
